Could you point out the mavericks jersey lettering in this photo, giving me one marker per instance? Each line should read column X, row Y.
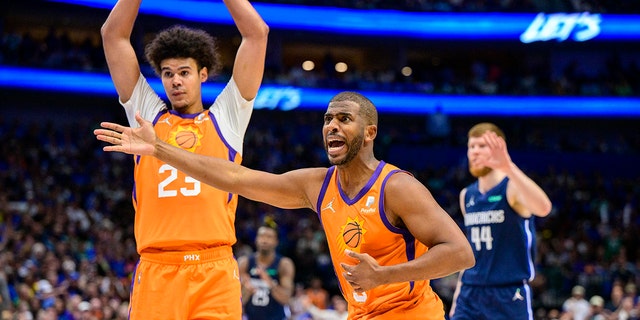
column 360, row 225
column 173, row 210
column 503, row 242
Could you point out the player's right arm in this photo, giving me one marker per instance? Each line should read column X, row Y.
column 463, row 209
column 119, row 53
column 245, row 279
column 291, row 190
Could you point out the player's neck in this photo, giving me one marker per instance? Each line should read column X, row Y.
column 190, row 109
column 265, row 258
column 355, row 175
column 490, row 180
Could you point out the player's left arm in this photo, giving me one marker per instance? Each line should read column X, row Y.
column 525, row 196
column 410, row 205
column 456, row 292
column 248, row 67
column 283, row 289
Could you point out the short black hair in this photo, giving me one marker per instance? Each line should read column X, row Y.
column 367, row 109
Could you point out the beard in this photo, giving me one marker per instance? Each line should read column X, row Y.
column 479, row 172
column 353, row 148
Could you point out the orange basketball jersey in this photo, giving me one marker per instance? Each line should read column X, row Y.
column 173, row 210
column 360, row 225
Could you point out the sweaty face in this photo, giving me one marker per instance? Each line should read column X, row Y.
column 478, row 153
column 183, row 83
column 343, row 134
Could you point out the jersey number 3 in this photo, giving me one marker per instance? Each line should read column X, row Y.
column 480, row 235
column 191, row 188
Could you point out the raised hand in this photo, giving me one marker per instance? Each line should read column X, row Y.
column 140, row 141
column 498, row 155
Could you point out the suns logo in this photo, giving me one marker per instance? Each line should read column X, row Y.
column 351, row 235
column 185, row 137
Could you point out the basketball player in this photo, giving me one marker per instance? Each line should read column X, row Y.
column 499, row 209
column 267, row 277
column 402, row 238
column 184, row 229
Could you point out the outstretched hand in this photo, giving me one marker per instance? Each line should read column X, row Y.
column 362, row 276
column 499, row 156
column 140, row 141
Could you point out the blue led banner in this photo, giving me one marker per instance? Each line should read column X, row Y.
column 289, row 98
column 525, row 27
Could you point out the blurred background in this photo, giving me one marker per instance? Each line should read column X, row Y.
column 560, row 77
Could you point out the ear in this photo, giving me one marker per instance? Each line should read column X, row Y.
column 204, row 74
column 371, row 131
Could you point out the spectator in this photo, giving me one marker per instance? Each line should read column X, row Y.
column 615, row 299
column 337, row 310
column 598, row 312
column 317, row 294
column 627, row 310
column 576, row 307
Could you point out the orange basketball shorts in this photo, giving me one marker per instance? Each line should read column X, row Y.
column 186, row 285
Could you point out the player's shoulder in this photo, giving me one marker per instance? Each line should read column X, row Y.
column 286, row 261
column 310, row 174
column 243, row 259
column 402, row 179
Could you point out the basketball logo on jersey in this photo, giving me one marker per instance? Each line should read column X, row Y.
column 351, row 235
column 185, row 137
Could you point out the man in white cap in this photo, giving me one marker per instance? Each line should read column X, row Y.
column 576, row 307
column 598, row 312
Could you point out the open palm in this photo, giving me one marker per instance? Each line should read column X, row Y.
column 140, row 141
column 498, row 156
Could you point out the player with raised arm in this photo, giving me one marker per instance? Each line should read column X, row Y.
column 184, row 229
column 403, row 236
column 499, row 210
